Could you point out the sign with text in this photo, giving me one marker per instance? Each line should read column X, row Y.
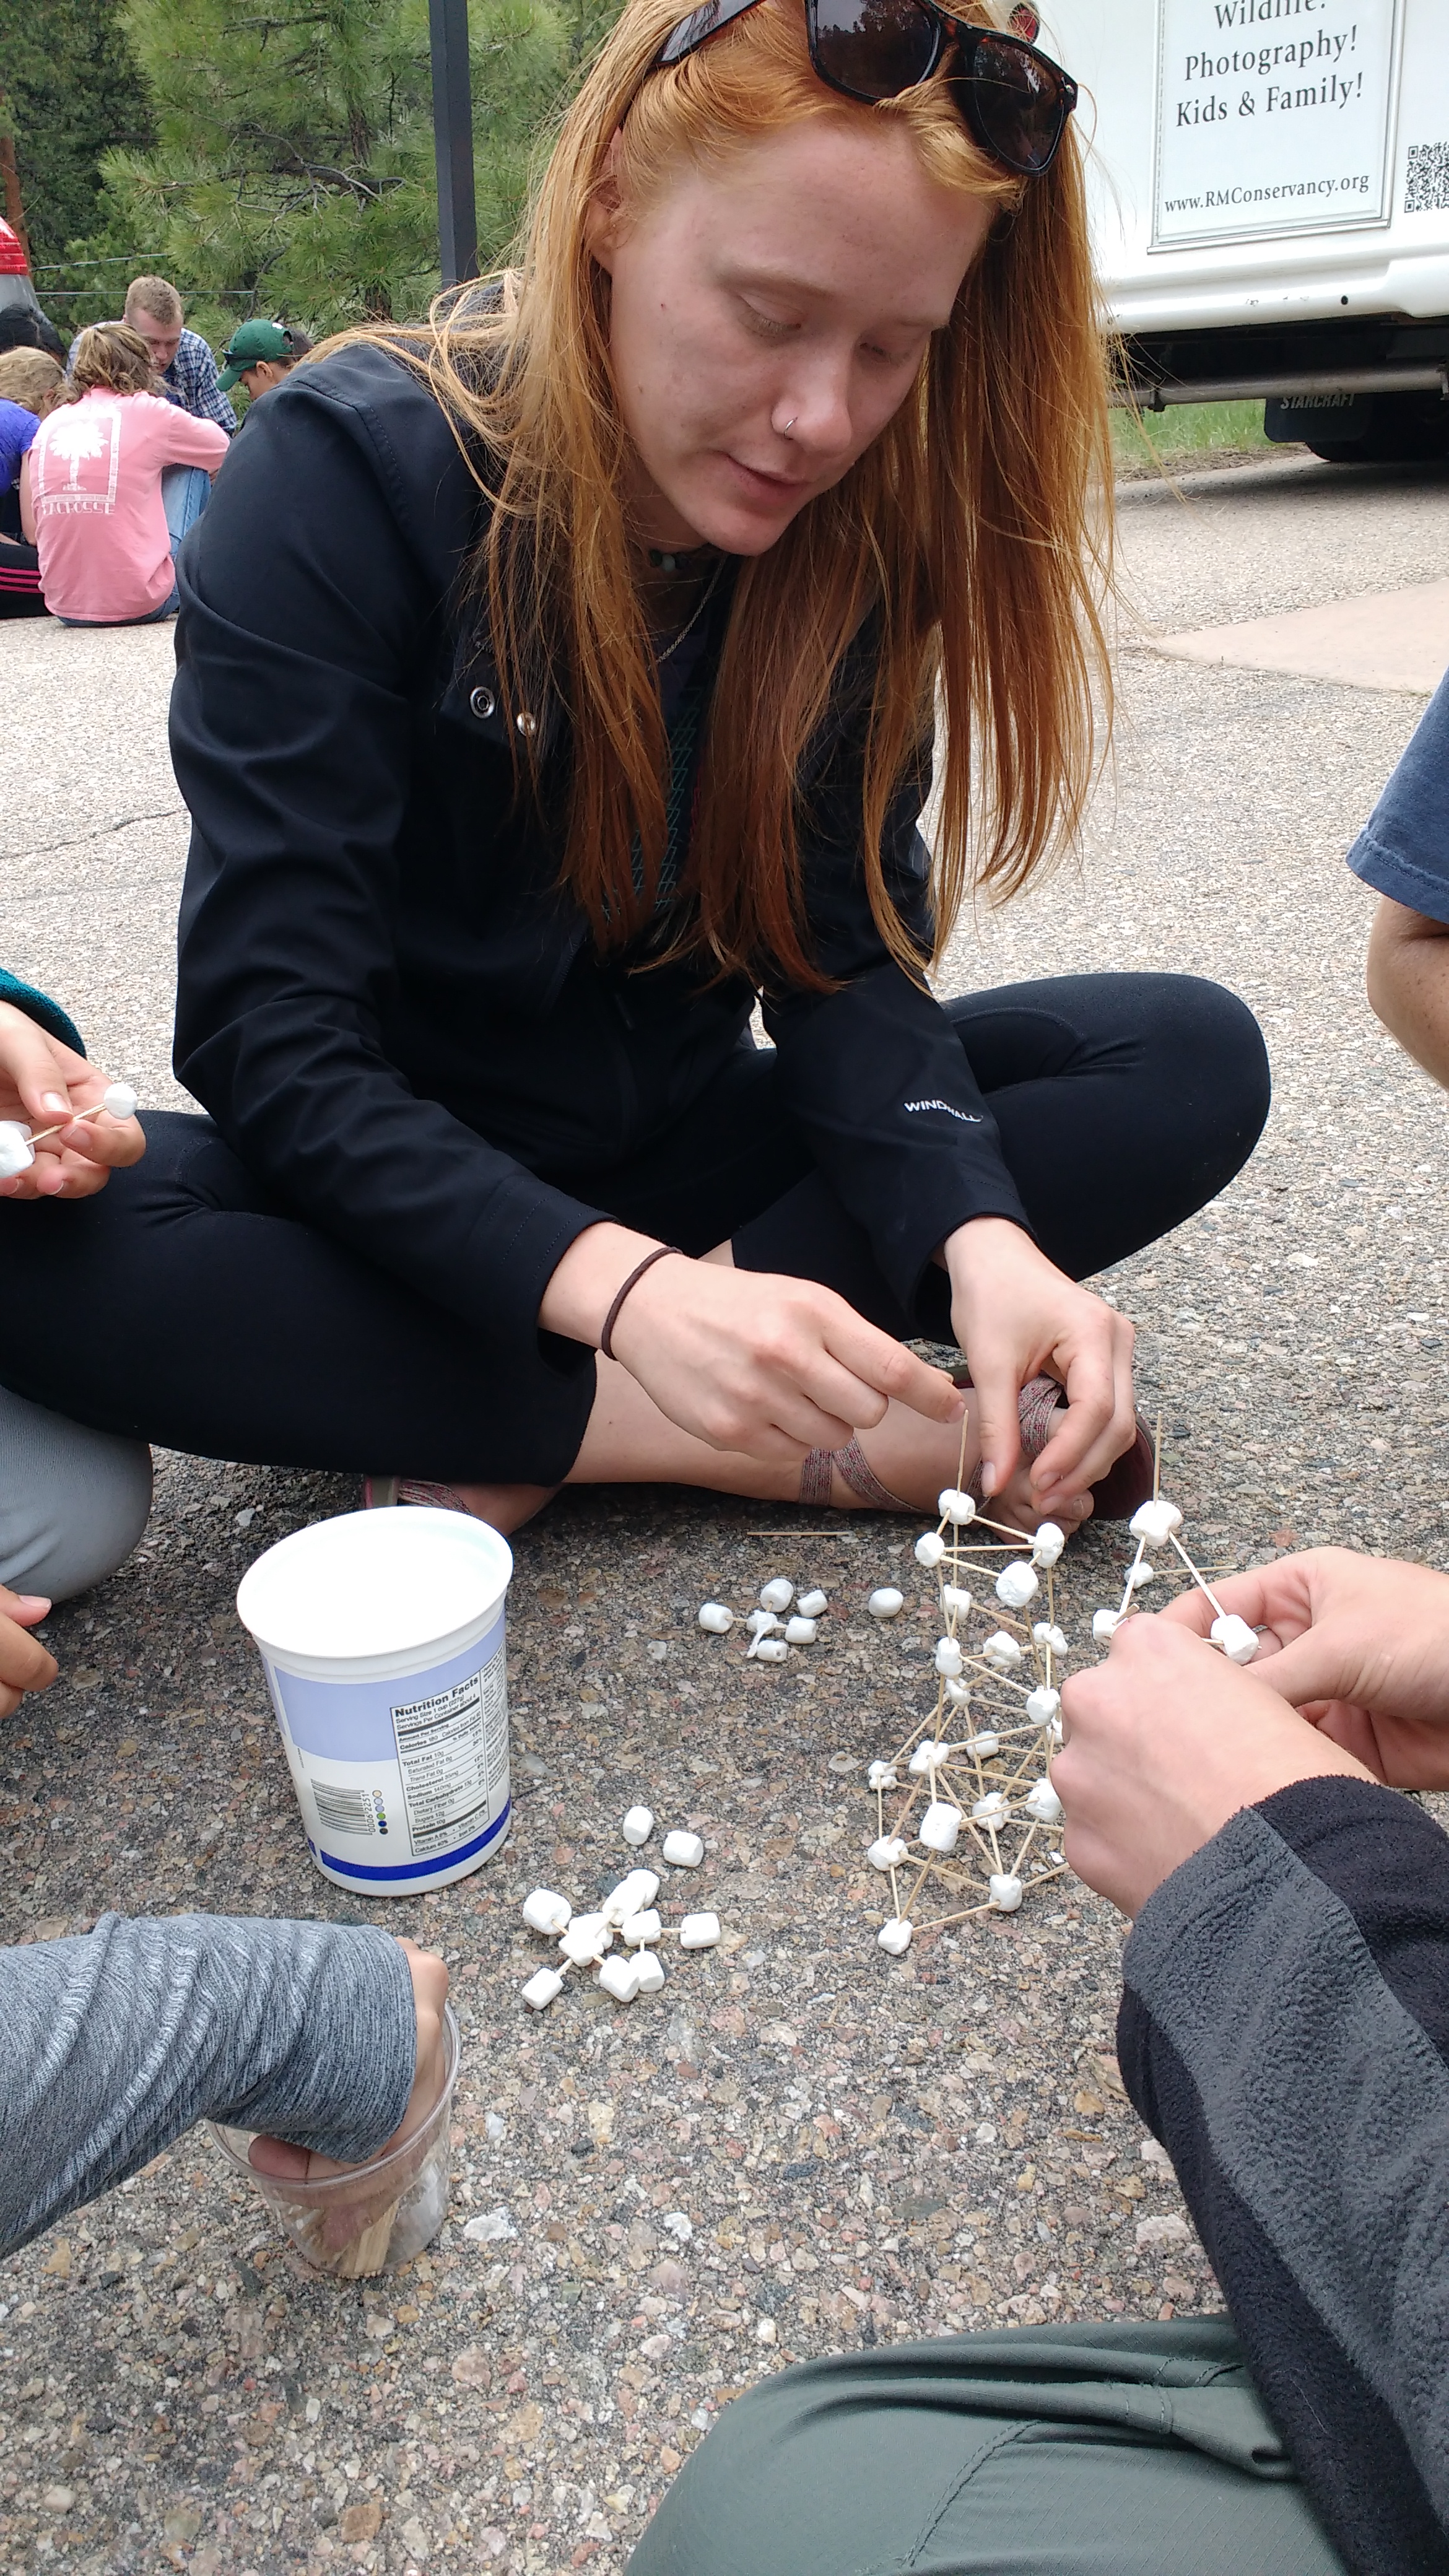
column 1273, row 116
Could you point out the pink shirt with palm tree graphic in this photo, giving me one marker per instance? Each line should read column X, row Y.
column 95, row 489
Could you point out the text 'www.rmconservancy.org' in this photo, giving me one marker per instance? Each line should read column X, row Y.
column 1213, row 197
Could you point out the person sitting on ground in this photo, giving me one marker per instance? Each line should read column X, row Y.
column 1284, row 2032
column 30, row 383
column 260, row 355
column 1403, row 851
column 186, row 374
column 73, row 1502
column 327, row 2039
column 91, row 498
column 504, row 819
column 186, row 371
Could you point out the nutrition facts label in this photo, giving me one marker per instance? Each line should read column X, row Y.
column 452, row 1751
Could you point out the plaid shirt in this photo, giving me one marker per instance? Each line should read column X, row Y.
column 190, row 382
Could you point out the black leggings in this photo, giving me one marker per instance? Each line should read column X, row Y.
column 185, row 1306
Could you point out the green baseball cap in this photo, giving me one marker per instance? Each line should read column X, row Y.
column 250, row 341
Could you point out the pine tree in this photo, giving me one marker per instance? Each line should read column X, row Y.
column 73, row 90
column 293, row 171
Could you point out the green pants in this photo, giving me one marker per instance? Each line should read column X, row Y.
column 1081, row 2450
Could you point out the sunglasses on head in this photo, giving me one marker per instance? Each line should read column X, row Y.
column 1014, row 100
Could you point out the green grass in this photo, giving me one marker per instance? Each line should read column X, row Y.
column 1187, row 429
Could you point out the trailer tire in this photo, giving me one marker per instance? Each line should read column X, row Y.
column 1402, row 429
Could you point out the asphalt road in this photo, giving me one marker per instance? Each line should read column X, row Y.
column 856, row 2149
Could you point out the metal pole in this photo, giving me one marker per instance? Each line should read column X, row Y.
column 453, row 138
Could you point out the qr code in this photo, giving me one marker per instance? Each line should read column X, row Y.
column 1426, row 183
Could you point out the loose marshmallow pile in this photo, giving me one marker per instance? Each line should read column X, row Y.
column 628, row 1915
column 771, row 1634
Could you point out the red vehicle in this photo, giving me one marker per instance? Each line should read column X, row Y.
column 15, row 286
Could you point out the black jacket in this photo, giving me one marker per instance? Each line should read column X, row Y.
column 1285, row 2032
column 388, row 1005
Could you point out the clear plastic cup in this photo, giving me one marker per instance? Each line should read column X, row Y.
column 377, row 2216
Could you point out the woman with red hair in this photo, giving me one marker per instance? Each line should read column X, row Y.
column 562, row 680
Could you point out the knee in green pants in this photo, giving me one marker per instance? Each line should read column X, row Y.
column 1115, row 2450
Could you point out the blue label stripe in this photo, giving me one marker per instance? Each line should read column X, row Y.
column 420, row 1868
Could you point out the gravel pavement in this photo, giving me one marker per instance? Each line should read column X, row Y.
column 800, row 2146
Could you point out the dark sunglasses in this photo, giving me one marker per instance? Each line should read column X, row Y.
column 1014, row 100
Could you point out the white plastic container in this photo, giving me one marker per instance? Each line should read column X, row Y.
column 382, row 1638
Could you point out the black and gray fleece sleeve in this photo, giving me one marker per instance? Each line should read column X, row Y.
column 1285, row 2032
column 114, row 2043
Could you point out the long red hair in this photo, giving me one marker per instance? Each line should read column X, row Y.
column 975, row 527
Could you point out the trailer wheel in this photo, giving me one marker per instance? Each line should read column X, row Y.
column 1401, row 429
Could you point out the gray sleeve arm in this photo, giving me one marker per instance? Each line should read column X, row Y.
column 112, row 2044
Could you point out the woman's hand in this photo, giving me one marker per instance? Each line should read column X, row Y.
column 24, row 1663
column 42, row 1082
column 1358, row 1645
column 1164, row 1742
column 1017, row 1317
column 741, row 1358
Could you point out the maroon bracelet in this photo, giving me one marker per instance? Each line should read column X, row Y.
column 660, row 1252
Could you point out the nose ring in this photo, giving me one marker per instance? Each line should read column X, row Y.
column 789, row 425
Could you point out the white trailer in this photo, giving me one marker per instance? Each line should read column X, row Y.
column 1270, row 197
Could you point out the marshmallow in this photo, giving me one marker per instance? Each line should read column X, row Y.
column 886, row 1602
column 954, row 1598
column 990, row 1810
column 619, row 1977
column 699, row 1932
column 896, row 1938
column 637, row 1827
column 1005, row 1892
column 1042, row 1705
column 928, row 1757
column 120, row 1100
column 651, row 1971
column 541, row 1989
column 545, row 1912
column 956, row 1507
column 778, row 1594
column 1105, row 1624
column 636, row 1929
column 939, row 1827
column 1050, row 1639
column 1048, row 1543
column 949, row 1659
column 769, row 1650
column 763, row 1623
column 1015, row 1584
column 930, row 1548
column 1237, row 1640
column 881, row 1775
column 888, row 1853
column 715, row 1618
column 639, row 1889
column 1155, row 1521
column 800, row 1632
column 16, row 1151
column 1002, row 1651
column 1043, row 1803
column 1137, row 1575
column 683, row 1851
column 958, row 1693
column 813, row 1605
column 983, row 1746
column 587, row 1937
